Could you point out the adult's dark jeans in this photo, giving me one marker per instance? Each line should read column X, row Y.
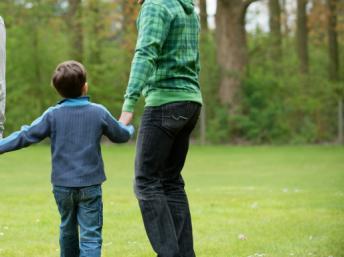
column 80, row 208
column 162, row 146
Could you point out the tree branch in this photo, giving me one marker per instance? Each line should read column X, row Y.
column 245, row 5
column 248, row 2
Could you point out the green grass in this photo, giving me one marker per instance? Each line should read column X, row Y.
column 287, row 201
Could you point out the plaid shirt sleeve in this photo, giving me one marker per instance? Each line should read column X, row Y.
column 153, row 27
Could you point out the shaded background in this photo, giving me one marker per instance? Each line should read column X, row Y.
column 271, row 74
column 270, row 69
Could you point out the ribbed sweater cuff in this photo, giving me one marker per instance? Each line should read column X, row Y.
column 128, row 105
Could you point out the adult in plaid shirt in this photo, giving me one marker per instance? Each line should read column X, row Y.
column 165, row 69
column 2, row 74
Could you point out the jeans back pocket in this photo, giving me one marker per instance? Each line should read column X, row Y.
column 175, row 116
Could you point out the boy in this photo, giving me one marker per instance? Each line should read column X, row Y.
column 75, row 126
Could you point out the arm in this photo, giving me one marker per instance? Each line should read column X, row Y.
column 36, row 132
column 153, row 27
column 116, row 131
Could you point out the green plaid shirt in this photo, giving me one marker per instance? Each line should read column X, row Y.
column 166, row 66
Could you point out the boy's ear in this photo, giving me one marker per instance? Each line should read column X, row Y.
column 85, row 88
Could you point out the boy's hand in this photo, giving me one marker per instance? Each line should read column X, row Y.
column 126, row 118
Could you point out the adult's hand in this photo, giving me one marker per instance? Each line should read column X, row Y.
column 126, row 118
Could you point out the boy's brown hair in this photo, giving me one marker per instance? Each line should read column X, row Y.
column 69, row 79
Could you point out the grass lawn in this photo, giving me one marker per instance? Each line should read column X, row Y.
column 284, row 201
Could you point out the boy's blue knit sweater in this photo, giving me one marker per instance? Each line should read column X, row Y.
column 75, row 127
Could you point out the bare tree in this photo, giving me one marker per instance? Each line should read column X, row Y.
column 302, row 35
column 232, row 49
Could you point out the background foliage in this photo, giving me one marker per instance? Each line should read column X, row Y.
column 278, row 104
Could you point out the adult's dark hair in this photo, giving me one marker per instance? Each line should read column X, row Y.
column 69, row 78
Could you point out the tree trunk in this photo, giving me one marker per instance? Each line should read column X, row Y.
column 333, row 41
column 94, row 15
column 2, row 75
column 302, row 36
column 284, row 18
column 340, row 122
column 130, row 11
column 334, row 61
column 275, row 29
column 232, row 49
column 74, row 21
column 203, row 14
column 204, row 26
column 36, row 59
column 203, row 125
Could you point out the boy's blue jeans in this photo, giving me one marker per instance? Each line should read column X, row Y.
column 80, row 208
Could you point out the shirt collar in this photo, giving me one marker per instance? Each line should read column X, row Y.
column 79, row 101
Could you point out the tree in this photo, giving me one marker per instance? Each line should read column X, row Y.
column 232, row 49
column 333, row 41
column 74, row 22
column 334, row 61
column 96, row 27
column 302, row 36
column 317, row 20
column 130, row 12
column 204, row 25
column 275, row 29
column 2, row 74
column 203, row 14
column 284, row 18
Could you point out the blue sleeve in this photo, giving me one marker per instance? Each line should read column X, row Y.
column 115, row 130
column 28, row 135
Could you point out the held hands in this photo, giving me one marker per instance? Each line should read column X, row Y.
column 126, row 118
